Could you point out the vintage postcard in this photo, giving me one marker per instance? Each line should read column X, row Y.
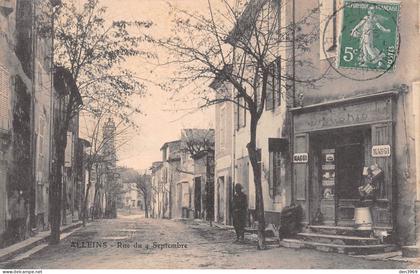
column 209, row 134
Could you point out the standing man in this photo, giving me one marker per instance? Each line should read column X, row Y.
column 240, row 208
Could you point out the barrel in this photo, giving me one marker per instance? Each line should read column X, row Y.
column 363, row 218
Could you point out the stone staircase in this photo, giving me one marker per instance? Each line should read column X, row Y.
column 346, row 240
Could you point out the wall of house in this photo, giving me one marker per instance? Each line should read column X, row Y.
column 16, row 86
column 9, row 66
column 224, row 142
column 336, row 86
column 186, row 179
column 43, row 128
column 173, row 178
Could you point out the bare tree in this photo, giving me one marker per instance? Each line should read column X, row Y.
column 93, row 51
column 197, row 141
column 144, row 187
column 199, row 144
column 243, row 47
column 97, row 156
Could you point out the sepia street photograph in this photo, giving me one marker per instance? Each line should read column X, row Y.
column 209, row 134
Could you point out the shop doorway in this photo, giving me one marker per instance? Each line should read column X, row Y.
column 337, row 166
column 350, row 162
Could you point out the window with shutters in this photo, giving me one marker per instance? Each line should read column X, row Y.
column 277, row 171
column 241, row 113
column 4, row 98
column 69, row 150
column 222, row 130
column 273, row 90
column 186, row 195
column 41, row 134
column 329, row 22
column 277, row 165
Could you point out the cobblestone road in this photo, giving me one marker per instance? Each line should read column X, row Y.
column 133, row 242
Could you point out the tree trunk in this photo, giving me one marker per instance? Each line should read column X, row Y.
column 146, row 209
column 259, row 202
column 57, row 188
column 96, row 202
column 85, row 200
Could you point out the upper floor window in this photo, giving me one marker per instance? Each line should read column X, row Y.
column 241, row 113
column 329, row 27
column 223, row 124
column 273, row 89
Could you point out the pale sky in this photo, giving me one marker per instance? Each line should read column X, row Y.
column 161, row 122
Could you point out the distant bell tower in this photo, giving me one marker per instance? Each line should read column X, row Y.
column 109, row 143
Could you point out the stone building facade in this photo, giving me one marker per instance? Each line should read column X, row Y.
column 353, row 118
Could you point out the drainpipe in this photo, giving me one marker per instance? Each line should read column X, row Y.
column 233, row 152
column 291, row 133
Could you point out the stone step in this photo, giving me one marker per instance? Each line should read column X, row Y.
column 338, row 239
column 340, row 230
column 339, row 248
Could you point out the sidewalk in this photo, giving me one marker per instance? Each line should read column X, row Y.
column 250, row 233
column 25, row 245
column 272, row 242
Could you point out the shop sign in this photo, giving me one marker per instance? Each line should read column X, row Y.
column 381, row 151
column 342, row 116
column 300, row 158
column 369, row 36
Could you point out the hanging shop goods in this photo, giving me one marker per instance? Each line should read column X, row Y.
column 372, row 182
column 369, row 36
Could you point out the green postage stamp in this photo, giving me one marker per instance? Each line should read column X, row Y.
column 369, row 35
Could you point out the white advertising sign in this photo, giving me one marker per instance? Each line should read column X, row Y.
column 300, row 158
column 381, row 151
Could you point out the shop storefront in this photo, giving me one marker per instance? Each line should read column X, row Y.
column 336, row 145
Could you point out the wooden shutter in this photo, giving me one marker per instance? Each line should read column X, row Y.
column 301, row 172
column 270, row 87
column 382, row 134
column 4, row 98
column 277, row 81
column 68, row 151
column 272, row 173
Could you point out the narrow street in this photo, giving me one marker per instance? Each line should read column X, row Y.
column 199, row 246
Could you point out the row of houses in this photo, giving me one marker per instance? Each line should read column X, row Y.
column 182, row 182
column 316, row 142
column 34, row 96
